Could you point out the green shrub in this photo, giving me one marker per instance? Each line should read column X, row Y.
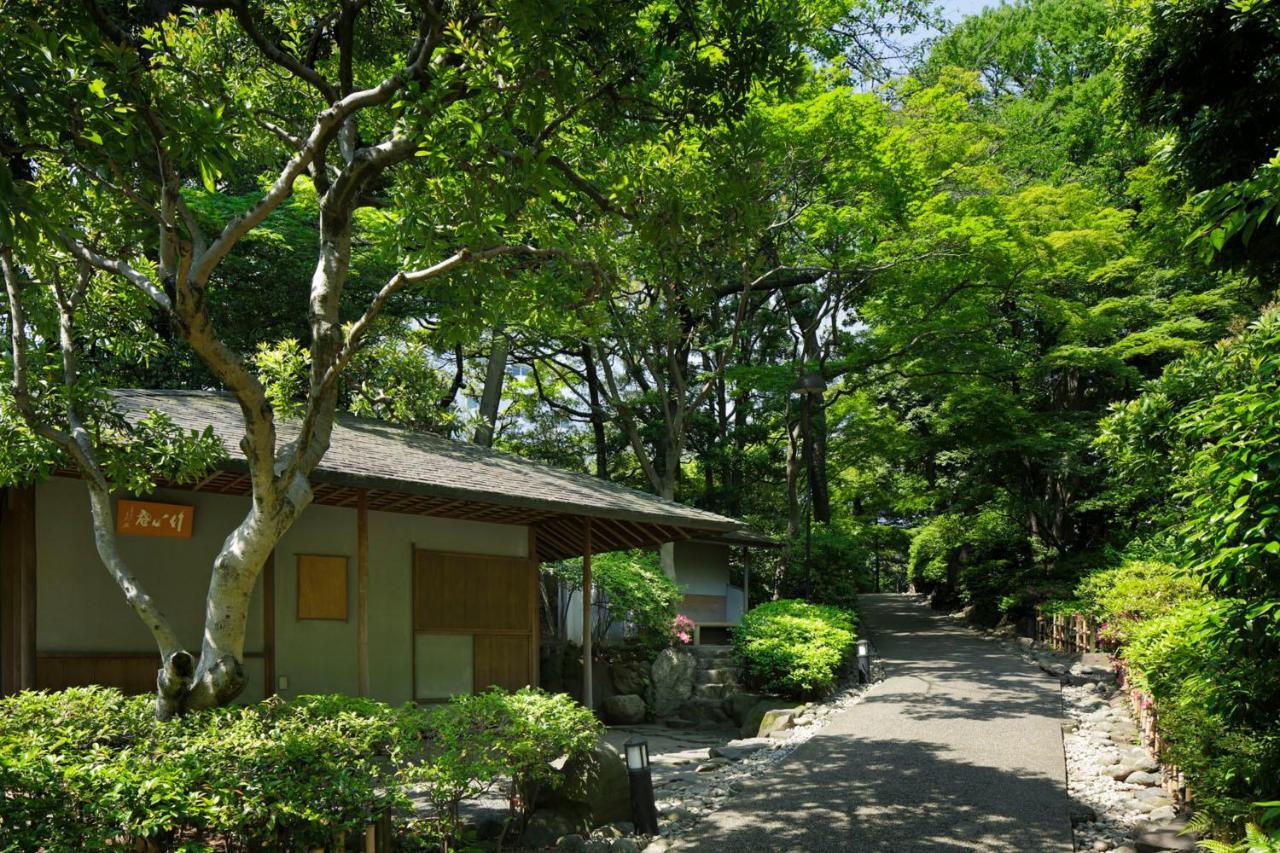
column 480, row 741
column 91, row 769
column 793, row 647
column 1136, row 589
column 88, row 765
column 1228, row 762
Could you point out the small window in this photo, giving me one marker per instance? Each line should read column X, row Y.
column 322, row 587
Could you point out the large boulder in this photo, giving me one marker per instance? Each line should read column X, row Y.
column 751, row 723
column 630, row 677
column 671, row 681
column 626, row 709
column 594, row 788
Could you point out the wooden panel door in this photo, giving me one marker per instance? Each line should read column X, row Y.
column 493, row 600
column 502, row 661
column 465, row 593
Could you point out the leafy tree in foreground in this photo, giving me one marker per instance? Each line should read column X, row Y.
column 458, row 137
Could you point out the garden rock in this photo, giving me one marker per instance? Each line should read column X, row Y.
column 623, row 710
column 573, row 843
column 736, row 750
column 751, row 723
column 629, row 677
column 672, row 677
column 777, row 720
column 594, row 789
column 546, row 827
column 624, row 845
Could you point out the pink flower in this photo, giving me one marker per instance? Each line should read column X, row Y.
column 682, row 628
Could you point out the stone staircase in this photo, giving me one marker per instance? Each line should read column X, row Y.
column 717, row 674
column 715, row 679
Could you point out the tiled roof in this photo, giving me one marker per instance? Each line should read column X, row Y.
column 374, row 454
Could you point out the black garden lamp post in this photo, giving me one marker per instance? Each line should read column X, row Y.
column 642, row 805
column 864, row 661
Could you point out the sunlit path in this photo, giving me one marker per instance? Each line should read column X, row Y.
column 959, row 748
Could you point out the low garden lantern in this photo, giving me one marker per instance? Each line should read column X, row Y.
column 864, row 661
column 642, row 804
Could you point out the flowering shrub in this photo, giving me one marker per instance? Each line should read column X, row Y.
column 682, row 629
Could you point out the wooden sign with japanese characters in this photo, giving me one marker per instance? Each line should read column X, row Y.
column 146, row 518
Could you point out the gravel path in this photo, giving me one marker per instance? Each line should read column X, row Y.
column 959, row 748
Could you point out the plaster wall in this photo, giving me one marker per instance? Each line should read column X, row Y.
column 80, row 608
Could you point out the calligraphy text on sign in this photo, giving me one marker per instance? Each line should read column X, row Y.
column 144, row 518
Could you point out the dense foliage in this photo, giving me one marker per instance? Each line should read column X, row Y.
column 89, row 769
column 629, row 589
column 988, row 321
column 794, row 648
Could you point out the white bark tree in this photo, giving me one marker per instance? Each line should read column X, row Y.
column 465, row 144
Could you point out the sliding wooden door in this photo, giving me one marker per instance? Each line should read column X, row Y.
column 475, row 613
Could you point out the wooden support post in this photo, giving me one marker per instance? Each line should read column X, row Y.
column 535, row 582
column 586, row 614
column 362, row 593
column 17, row 589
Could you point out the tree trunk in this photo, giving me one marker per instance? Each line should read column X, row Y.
column 819, row 490
column 667, row 551
column 599, row 437
column 494, row 376
column 793, row 480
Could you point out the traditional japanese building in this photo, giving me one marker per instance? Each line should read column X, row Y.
column 426, row 546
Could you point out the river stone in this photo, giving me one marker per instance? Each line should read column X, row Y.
column 623, row 710
column 629, row 677
column 1139, row 759
column 624, row 845
column 1154, row 795
column 671, row 682
column 594, row 789
column 1142, row 777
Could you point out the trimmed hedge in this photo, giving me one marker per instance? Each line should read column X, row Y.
column 794, row 648
column 91, row 769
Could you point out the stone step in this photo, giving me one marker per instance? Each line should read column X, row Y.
column 717, row 676
column 712, row 691
column 703, row 712
column 715, row 661
column 711, row 651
